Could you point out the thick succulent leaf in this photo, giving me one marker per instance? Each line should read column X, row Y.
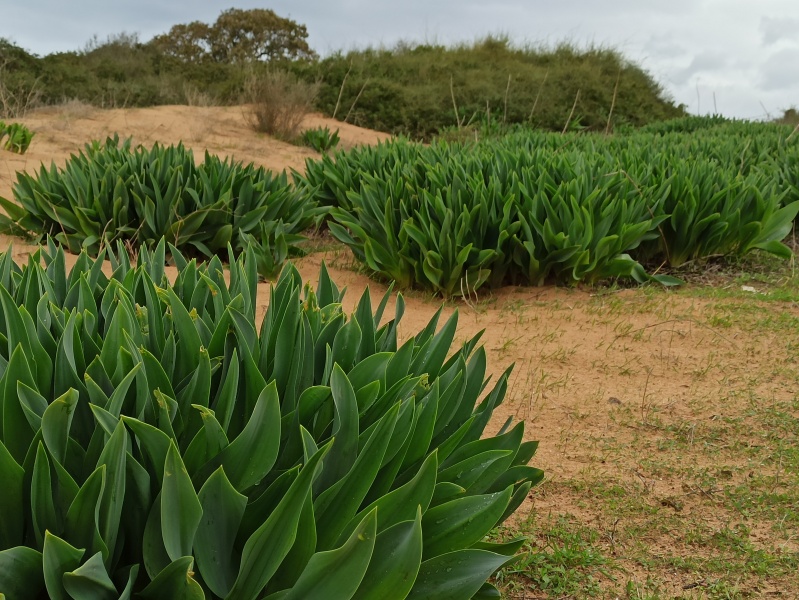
column 456, row 575
column 90, row 581
column 43, row 510
column 176, row 581
column 58, row 557
column 395, row 562
column 11, row 500
column 249, row 457
column 338, row 573
column 460, row 523
column 339, row 503
column 345, row 431
column 113, row 457
column 268, row 546
column 81, row 526
column 21, row 573
column 222, row 509
column 181, row 510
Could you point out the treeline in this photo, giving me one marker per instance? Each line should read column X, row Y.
column 416, row 90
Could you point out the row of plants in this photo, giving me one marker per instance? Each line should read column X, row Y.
column 532, row 207
column 15, row 137
column 155, row 443
column 525, row 207
column 115, row 191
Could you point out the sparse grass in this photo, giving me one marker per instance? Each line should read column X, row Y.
column 562, row 560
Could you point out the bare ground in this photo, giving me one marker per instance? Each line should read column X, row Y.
column 668, row 420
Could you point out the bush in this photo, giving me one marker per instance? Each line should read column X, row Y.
column 419, row 90
column 154, row 444
column 279, row 102
column 113, row 191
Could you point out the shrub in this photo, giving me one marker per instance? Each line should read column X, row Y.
column 279, row 102
column 419, row 89
column 154, row 444
column 114, row 191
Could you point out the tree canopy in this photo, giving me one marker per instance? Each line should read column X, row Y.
column 237, row 36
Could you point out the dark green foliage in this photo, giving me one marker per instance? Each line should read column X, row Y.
column 114, row 191
column 409, row 89
column 534, row 207
column 154, row 444
column 15, row 137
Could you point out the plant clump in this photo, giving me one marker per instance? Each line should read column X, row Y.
column 115, row 191
column 532, row 207
column 15, row 137
column 154, row 443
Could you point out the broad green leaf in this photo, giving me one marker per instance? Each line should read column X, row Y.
column 11, row 500
column 59, row 557
column 338, row 573
column 249, row 457
column 21, row 573
column 271, row 542
column 81, row 526
column 455, row 575
column 176, row 582
column 56, row 422
column 43, row 510
column 460, row 523
column 394, row 563
column 223, row 508
column 113, row 457
column 90, row 581
column 181, row 510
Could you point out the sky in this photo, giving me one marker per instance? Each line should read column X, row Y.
column 739, row 58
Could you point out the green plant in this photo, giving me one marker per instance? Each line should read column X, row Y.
column 321, row 139
column 154, row 444
column 18, row 137
column 114, row 191
column 531, row 207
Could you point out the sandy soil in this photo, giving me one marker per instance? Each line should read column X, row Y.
column 639, row 391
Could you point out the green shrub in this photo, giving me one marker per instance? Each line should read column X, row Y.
column 321, row 139
column 419, row 90
column 15, row 137
column 113, row 191
column 154, row 444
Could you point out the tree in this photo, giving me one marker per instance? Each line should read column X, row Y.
column 258, row 34
column 187, row 42
column 238, row 36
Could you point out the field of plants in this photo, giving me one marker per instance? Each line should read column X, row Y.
column 524, row 207
column 173, row 427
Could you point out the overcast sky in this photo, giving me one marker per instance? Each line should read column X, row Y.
column 745, row 52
